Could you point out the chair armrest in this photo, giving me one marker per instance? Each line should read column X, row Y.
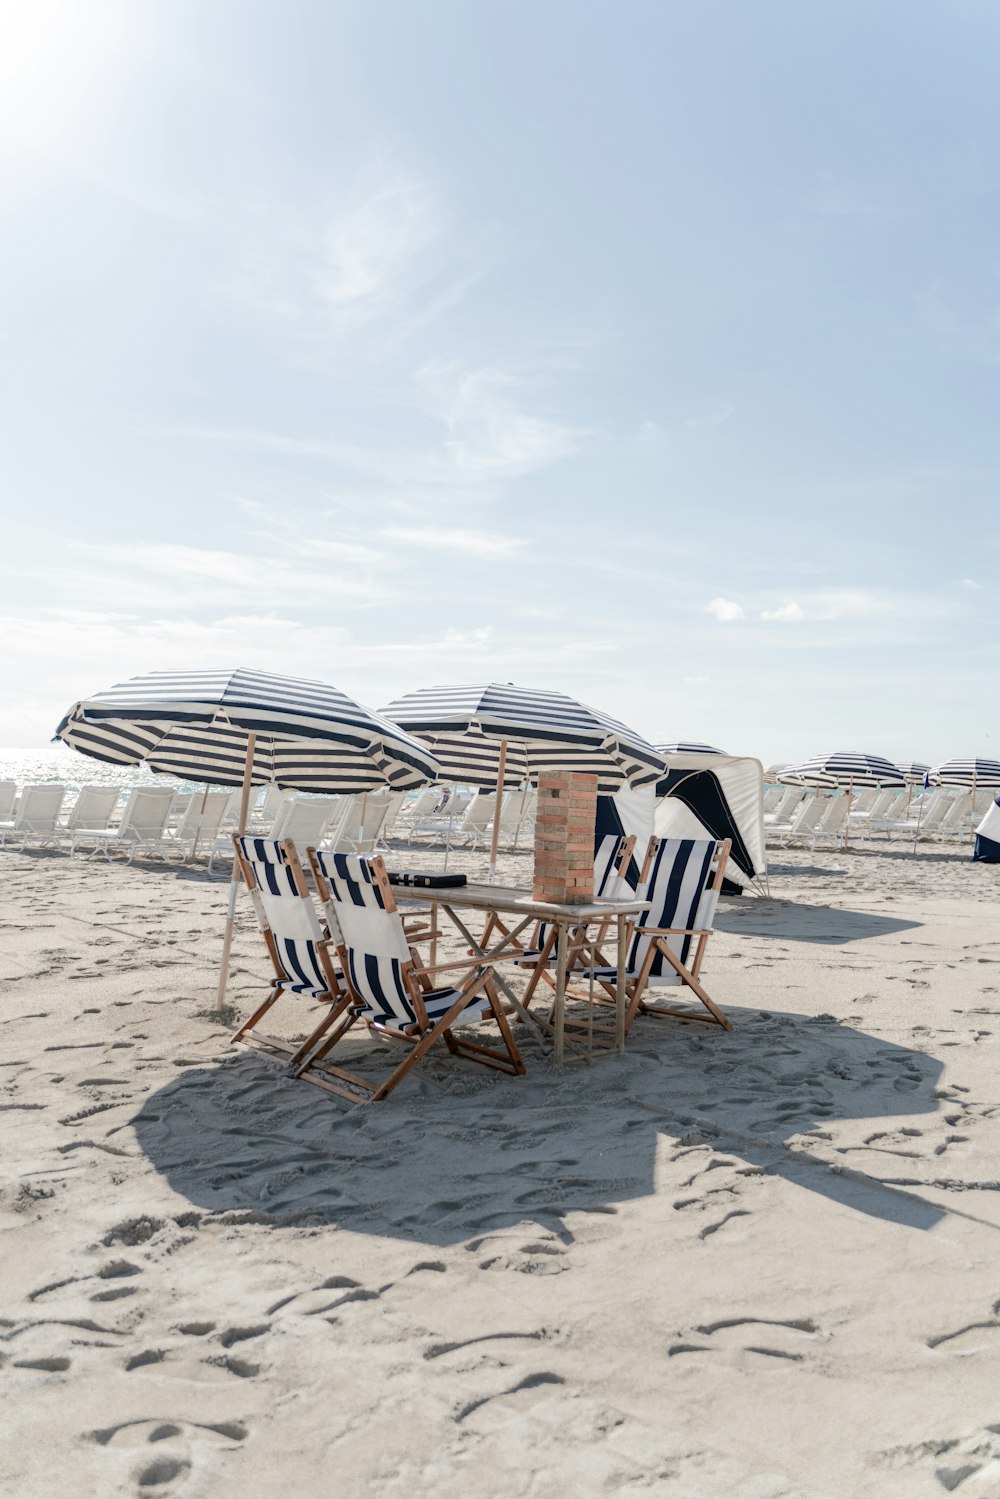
column 470, row 965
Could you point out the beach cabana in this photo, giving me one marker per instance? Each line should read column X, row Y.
column 720, row 796
column 246, row 728
column 500, row 736
column 987, row 849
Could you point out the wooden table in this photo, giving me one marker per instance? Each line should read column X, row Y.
column 500, row 900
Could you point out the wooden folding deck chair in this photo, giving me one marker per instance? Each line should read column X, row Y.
column 616, row 876
column 391, row 990
column 295, row 940
column 681, row 879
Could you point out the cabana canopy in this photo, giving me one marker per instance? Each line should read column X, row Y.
column 717, row 796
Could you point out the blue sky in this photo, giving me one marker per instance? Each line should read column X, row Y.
column 645, row 351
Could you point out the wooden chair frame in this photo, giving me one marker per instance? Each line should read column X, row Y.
column 688, row 975
column 336, row 997
column 421, row 1035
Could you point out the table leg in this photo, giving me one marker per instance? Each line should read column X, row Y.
column 620, row 987
column 559, row 1005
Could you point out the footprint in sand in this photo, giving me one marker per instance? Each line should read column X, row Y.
column 764, row 1337
column 167, row 1452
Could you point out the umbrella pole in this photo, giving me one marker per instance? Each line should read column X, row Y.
column 227, row 941
column 498, row 804
column 847, row 819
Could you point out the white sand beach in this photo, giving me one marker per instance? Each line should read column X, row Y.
column 759, row 1264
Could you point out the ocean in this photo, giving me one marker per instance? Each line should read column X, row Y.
column 59, row 763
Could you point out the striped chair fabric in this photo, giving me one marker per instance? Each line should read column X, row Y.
column 376, row 947
column 608, row 885
column 677, row 888
column 287, row 914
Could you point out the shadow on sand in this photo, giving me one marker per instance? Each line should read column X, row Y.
column 794, row 922
column 458, row 1151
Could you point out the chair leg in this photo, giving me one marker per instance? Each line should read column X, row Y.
column 258, row 1014
column 717, row 1016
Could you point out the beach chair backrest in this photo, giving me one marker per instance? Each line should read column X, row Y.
column 426, row 802
column 94, row 807
column 393, row 806
column 371, row 932
column 678, row 888
column 285, row 912
column 807, row 817
column 146, row 812
column 39, row 806
column 8, row 796
column 479, row 812
column 203, row 814
column 834, row 816
column 304, row 819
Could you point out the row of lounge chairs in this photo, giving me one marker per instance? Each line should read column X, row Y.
column 350, row 949
column 796, row 816
column 160, row 821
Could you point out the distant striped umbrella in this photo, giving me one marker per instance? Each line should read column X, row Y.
column 501, row 735
column 688, row 749
column 843, row 770
column 913, row 772
column 974, row 773
column 231, row 728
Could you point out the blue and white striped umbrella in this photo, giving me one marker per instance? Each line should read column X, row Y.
column 972, row 772
column 842, row 770
column 689, row 749
column 543, row 731
column 196, row 725
column 913, row 772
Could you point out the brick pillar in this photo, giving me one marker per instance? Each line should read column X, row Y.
column 564, row 838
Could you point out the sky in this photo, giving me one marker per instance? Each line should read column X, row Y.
column 640, row 350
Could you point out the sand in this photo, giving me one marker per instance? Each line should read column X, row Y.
column 760, row 1265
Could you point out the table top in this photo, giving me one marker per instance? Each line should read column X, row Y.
column 519, row 902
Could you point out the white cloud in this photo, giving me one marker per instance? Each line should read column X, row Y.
column 485, row 544
column 971, row 583
column 789, row 611
column 725, row 610
column 486, row 434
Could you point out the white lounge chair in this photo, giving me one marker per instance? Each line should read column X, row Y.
column 200, row 824
column 37, row 817
column 476, row 823
column 304, row 819
column 803, row 821
column 359, row 828
column 93, row 808
column 8, row 796
column 143, row 826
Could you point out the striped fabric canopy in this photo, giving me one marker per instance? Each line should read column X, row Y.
column 195, row 725
column 689, row 749
column 545, row 731
column 971, row 772
column 842, row 769
column 913, row 772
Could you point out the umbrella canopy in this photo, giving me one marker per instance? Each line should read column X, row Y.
column 843, row 769
column 972, row 772
column 913, row 772
column 196, row 725
column 466, row 727
column 689, row 749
